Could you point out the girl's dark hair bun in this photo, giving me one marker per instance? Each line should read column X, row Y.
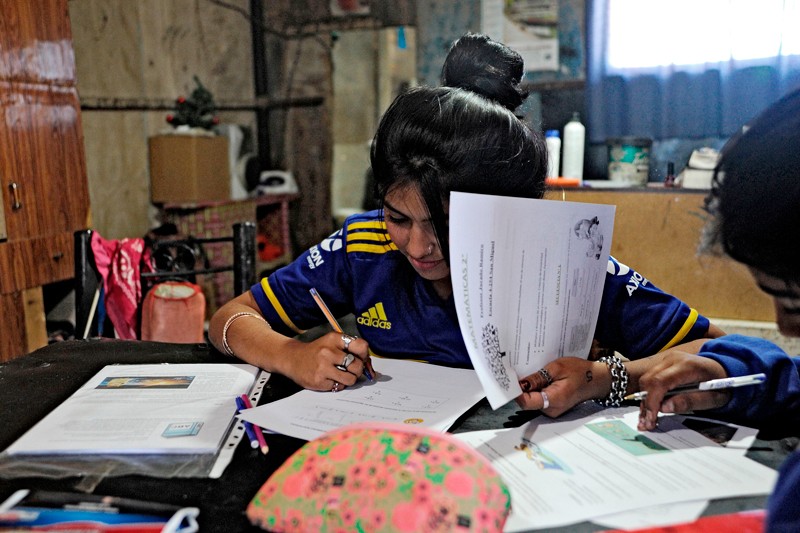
column 486, row 67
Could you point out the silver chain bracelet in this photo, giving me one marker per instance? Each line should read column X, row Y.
column 619, row 381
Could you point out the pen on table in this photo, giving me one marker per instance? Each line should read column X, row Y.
column 332, row 320
column 714, row 384
column 248, row 427
column 262, row 443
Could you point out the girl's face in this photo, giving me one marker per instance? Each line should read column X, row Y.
column 410, row 227
column 786, row 297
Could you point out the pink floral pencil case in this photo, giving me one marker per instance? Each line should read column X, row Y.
column 375, row 477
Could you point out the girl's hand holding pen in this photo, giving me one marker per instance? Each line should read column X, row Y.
column 367, row 370
column 324, row 365
column 675, row 368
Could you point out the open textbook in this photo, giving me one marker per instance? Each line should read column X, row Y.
column 143, row 409
column 528, row 276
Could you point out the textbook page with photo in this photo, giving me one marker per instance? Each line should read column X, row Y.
column 579, row 468
column 528, row 277
column 143, row 409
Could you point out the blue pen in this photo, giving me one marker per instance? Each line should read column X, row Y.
column 248, row 427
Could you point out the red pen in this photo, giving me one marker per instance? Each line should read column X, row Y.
column 259, row 434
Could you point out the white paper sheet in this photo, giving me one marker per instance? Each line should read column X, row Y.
column 732, row 436
column 150, row 408
column 405, row 392
column 528, row 276
column 561, row 473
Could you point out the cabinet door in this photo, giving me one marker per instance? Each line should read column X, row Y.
column 36, row 42
column 42, row 166
column 43, row 179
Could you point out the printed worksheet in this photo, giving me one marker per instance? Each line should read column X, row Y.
column 148, row 408
column 528, row 277
column 561, row 473
column 405, row 392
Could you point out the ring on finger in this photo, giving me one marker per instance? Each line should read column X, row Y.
column 545, row 401
column 335, row 386
column 546, row 375
column 348, row 358
column 347, row 339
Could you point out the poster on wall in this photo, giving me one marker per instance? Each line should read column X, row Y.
column 528, row 26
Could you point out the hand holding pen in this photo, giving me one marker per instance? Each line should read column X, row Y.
column 349, row 356
column 713, row 384
column 683, row 382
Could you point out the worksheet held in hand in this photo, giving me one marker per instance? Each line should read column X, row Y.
column 528, row 277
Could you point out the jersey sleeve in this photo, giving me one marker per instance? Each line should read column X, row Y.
column 637, row 319
column 284, row 298
column 775, row 402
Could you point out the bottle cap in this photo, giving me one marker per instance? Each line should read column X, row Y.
column 551, row 133
column 576, row 116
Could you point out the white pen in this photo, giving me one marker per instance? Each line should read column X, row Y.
column 714, row 384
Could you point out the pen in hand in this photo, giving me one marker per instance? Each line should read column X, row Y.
column 332, row 321
column 714, row 384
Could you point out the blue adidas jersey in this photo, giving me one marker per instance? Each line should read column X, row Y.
column 359, row 270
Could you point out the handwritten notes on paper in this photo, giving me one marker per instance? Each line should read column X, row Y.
column 406, row 392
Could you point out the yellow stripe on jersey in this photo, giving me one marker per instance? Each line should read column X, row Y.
column 374, row 224
column 687, row 326
column 277, row 305
column 371, row 248
column 376, row 233
column 367, row 236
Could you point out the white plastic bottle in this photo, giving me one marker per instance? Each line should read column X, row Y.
column 553, row 153
column 574, row 139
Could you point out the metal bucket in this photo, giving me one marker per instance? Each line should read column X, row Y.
column 629, row 160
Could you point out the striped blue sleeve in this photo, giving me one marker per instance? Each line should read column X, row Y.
column 637, row 319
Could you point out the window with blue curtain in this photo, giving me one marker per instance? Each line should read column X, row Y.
column 687, row 69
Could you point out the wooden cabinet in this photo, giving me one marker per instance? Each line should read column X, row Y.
column 43, row 181
column 657, row 232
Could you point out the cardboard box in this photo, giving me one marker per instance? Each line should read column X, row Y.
column 189, row 168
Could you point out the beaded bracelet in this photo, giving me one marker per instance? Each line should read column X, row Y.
column 230, row 321
column 619, row 381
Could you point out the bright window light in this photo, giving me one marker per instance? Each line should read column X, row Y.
column 651, row 33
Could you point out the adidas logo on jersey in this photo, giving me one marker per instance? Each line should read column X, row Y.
column 618, row 269
column 375, row 317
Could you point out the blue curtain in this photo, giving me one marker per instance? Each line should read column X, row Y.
column 673, row 101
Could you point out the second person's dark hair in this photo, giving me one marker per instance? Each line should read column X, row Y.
column 755, row 196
